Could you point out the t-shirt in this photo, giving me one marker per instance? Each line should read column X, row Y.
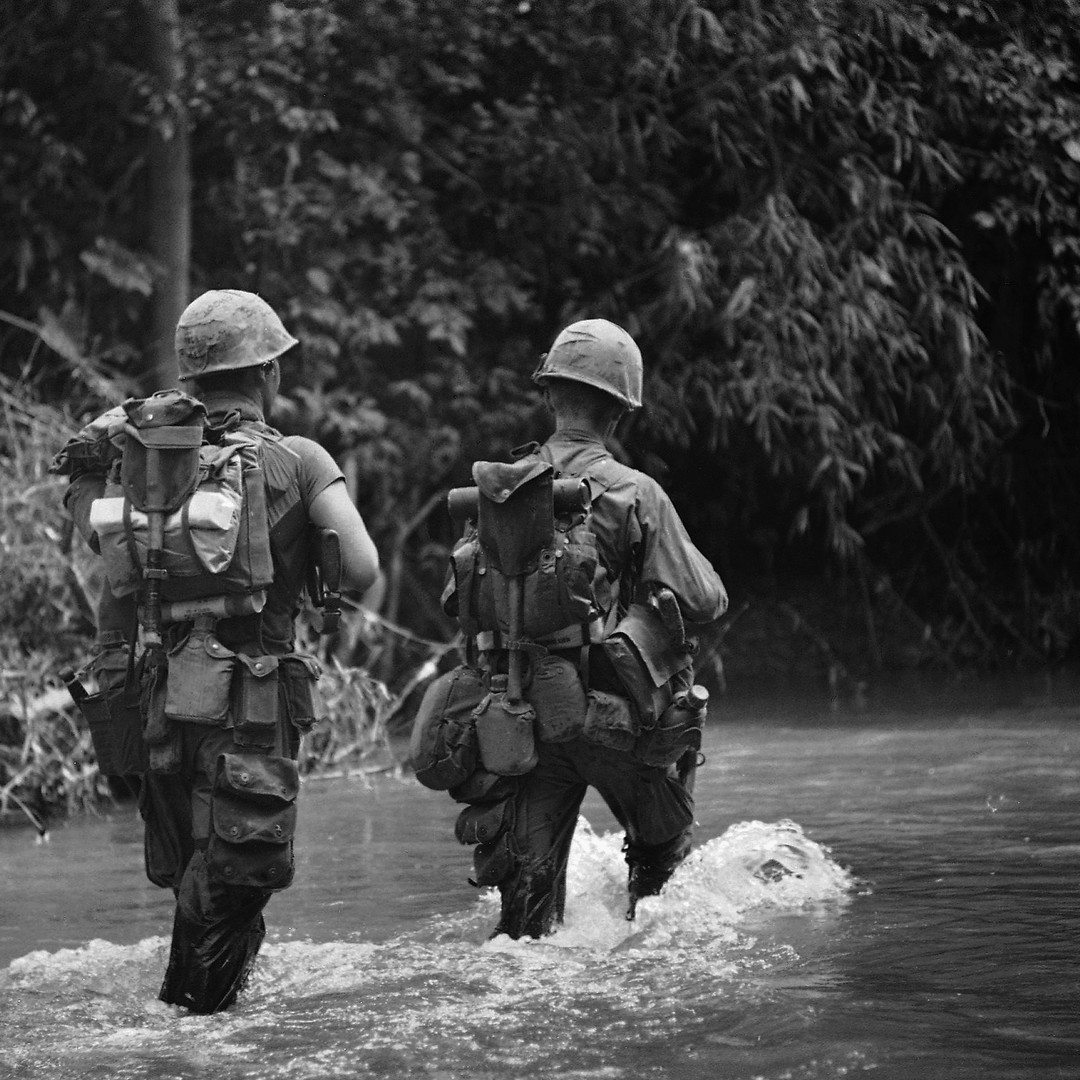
column 296, row 471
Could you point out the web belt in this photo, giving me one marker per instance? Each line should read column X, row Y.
column 570, row 637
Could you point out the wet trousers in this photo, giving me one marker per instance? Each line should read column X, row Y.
column 654, row 806
column 217, row 927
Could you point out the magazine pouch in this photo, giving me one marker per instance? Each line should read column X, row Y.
column 256, row 704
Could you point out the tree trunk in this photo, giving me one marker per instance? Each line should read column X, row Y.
column 170, row 191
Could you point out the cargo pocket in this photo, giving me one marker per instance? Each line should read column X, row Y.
column 200, row 680
column 255, row 701
column 609, row 721
column 493, row 861
column 482, row 786
column 482, row 824
column 253, row 821
column 299, row 677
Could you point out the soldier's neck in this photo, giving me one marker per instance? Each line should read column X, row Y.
column 579, row 428
column 249, row 406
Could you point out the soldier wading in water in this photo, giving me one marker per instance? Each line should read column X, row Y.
column 218, row 715
column 573, row 599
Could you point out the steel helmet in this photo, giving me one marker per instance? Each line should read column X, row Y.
column 599, row 353
column 226, row 329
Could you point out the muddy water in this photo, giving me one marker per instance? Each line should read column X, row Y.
column 893, row 894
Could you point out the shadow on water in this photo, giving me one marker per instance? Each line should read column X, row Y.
column 891, row 893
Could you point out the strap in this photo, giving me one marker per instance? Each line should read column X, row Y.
column 129, row 537
column 569, row 637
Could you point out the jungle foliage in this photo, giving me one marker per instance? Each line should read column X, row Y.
column 845, row 233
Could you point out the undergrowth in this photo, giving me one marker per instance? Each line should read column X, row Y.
column 49, row 581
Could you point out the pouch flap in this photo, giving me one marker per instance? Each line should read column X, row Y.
column 259, row 666
column 302, row 660
column 240, row 821
column 166, row 408
column 498, row 480
column 256, row 864
column 167, row 438
column 259, row 777
column 651, row 640
column 481, row 824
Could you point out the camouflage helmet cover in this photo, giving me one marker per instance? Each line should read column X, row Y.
column 598, row 353
column 226, row 329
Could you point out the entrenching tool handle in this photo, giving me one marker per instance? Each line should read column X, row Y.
column 515, row 661
column 154, row 573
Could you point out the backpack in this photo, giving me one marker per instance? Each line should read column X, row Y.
column 550, row 540
column 194, row 494
column 538, row 539
column 521, row 580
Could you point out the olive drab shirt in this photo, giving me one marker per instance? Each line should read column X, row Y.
column 639, row 534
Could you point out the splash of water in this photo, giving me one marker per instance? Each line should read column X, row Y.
column 439, row 990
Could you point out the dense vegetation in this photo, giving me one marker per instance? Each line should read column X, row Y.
column 845, row 233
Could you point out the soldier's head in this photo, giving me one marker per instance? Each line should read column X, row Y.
column 230, row 339
column 593, row 370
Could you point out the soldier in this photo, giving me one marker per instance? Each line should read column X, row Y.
column 229, row 345
column 590, row 378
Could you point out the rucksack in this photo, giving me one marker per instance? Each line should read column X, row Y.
column 559, row 606
column 539, row 539
column 203, row 489
column 521, row 580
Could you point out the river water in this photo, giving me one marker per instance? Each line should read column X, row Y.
column 893, row 894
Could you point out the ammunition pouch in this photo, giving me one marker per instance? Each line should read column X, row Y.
column 256, row 701
column 253, row 821
column 443, row 744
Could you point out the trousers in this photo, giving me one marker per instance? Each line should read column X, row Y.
column 218, row 927
column 528, row 859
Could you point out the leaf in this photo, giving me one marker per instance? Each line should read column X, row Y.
column 121, row 268
column 740, row 300
column 58, row 339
